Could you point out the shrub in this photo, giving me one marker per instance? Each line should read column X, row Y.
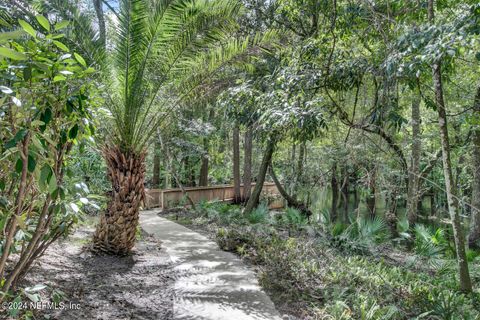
column 45, row 110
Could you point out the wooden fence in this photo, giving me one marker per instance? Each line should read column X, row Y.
column 168, row 198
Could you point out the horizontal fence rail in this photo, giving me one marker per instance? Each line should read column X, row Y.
column 169, row 198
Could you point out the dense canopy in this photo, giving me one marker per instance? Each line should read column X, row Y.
column 345, row 134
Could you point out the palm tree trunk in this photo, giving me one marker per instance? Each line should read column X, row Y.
column 115, row 233
column 247, row 165
column 267, row 157
column 474, row 235
column 237, row 197
column 414, row 170
column 452, row 200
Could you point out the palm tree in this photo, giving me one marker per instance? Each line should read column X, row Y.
column 152, row 59
column 162, row 50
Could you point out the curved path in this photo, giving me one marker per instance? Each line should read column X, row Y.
column 210, row 284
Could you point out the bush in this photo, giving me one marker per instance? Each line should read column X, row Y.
column 45, row 110
column 329, row 285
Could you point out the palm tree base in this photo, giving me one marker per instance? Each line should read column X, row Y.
column 116, row 231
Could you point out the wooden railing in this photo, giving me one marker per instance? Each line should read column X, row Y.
column 168, row 198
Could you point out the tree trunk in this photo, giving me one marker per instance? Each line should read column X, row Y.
column 291, row 200
column 474, row 235
column 247, row 166
column 391, row 215
column 255, row 197
column 300, row 163
column 334, row 186
column 203, row 180
column 156, row 166
column 167, row 181
column 345, row 190
column 414, row 171
column 237, row 196
column 293, row 177
column 101, row 21
column 452, row 200
column 115, row 233
column 371, row 198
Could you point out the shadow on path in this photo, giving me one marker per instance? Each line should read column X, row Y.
column 209, row 283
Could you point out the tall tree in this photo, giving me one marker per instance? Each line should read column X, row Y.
column 247, row 165
column 98, row 5
column 237, row 196
column 267, row 158
column 162, row 51
column 450, row 188
column 474, row 235
column 335, row 189
column 156, row 166
column 414, row 169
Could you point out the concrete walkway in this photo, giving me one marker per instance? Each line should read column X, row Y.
column 210, row 284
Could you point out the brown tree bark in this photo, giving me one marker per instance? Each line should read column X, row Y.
column 203, row 180
column 291, row 200
column 237, row 196
column 371, row 198
column 247, row 165
column 116, row 230
column 345, row 191
column 414, row 170
column 267, row 157
column 474, row 235
column 450, row 188
column 98, row 5
column 334, row 186
column 300, row 163
column 156, row 166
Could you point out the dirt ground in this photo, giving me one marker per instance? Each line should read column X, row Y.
column 104, row 287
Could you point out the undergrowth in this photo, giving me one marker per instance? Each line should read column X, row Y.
column 331, row 270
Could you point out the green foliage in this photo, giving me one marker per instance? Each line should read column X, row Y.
column 259, row 215
column 292, row 216
column 351, row 287
column 46, row 107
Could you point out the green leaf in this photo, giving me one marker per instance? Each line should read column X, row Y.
column 2, row 185
column 43, row 22
column 52, row 184
column 19, row 165
column 18, row 137
column 45, row 175
column 80, row 59
column 46, row 116
column 11, row 35
column 73, row 132
column 27, row 27
column 62, row 24
column 4, row 205
column 32, row 163
column 12, row 54
column 60, row 45
column 59, row 78
column 27, row 73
